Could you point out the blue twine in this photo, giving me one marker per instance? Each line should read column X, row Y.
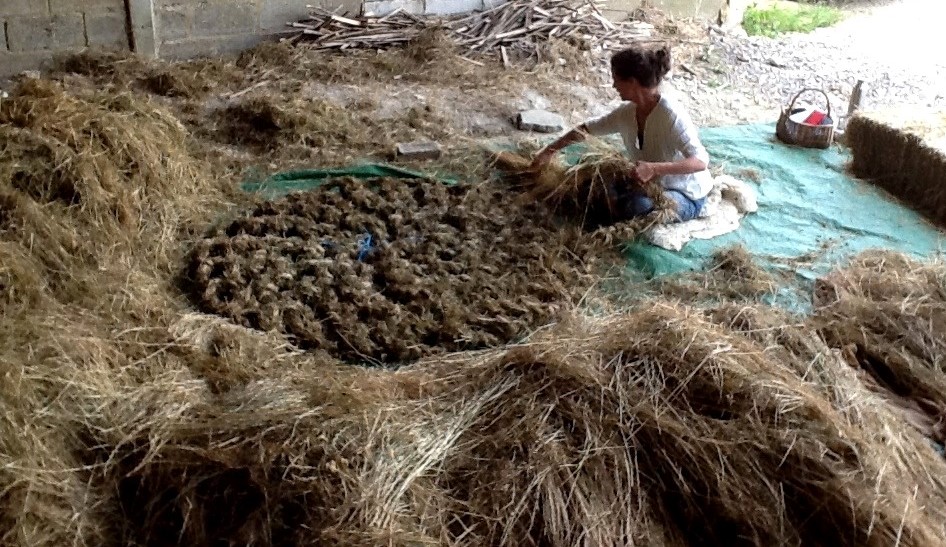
column 364, row 246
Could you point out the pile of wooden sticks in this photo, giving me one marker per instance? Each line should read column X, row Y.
column 513, row 27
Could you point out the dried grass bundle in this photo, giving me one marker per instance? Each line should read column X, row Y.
column 588, row 191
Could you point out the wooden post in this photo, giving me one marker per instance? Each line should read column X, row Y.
column 141, row 18
column 856, row 96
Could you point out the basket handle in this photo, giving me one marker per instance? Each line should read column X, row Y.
column 827, row 100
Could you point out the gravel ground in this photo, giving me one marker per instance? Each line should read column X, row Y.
column 896, row 48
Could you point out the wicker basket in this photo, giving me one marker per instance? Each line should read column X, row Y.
column 805, row 134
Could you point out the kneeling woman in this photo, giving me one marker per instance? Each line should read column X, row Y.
column 657, row 132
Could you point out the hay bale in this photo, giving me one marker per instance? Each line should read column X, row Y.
column 904, row 152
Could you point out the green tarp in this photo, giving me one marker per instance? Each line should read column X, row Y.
column 809, row 206
column 293, row 181
column 812, row 213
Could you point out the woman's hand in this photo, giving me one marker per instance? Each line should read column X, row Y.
column 542, row 159
column 645, row 171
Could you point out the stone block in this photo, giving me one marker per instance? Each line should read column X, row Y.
column 541, row 121
column 419, row 150
column 732, row 12
column 38, row 33
column 220, row 19
column 141, row 20
column 704, row 9
column 384, row 7
column 174, row 23
column 23, row 7
column 450, row 7
column 12, row 64
column 71, row 6
column 3, row 37
column 619, row 9
column 107, row 29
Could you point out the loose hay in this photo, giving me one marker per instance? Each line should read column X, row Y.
column 88, row 178
column 187, row 80
column 656, row 427
column 130, row 419
column 903, row 156
column 269, row 123
column 96, row 189
column 897, row 338
column 732, row 276
column 391, row 270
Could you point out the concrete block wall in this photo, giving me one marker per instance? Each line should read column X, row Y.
column 184, row 28
column 189, row 27
column 425, row 7
column 33, row 31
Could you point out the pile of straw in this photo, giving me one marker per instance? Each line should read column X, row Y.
column 897, row 339
column 130, row 419
column 732, row 276
column 270, row 123
column 655, row 427
column 98, row 191
column 905, row 153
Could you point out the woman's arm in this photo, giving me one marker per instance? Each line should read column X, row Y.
column 545, row 155
column 647, row 171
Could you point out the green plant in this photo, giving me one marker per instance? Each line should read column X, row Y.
column 783, row 17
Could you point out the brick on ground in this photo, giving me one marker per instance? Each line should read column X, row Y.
column 419, row 150
column 541, row 121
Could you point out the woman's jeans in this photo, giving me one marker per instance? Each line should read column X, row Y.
column 636, row 204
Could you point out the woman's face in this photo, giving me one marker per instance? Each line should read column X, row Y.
column 629, row 89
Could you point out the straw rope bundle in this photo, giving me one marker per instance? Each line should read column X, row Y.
column 903, row 156
column 587, row 191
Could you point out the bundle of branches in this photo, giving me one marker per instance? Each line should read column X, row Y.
column 516, row 27
column 589, row 191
